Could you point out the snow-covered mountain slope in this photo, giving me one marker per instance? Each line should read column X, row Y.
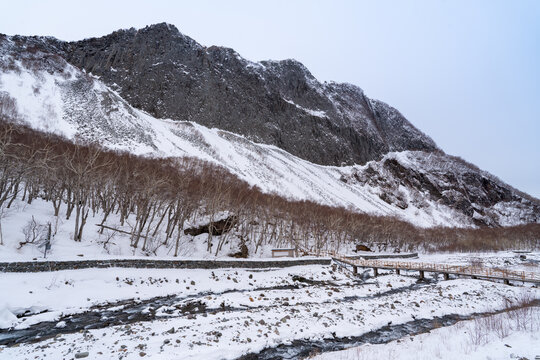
column 169, row 75
column 45, row 92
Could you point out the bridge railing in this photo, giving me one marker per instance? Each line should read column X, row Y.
column 486, row 272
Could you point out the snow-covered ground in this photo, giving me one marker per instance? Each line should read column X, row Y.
column 244, row 311
column 512, row 335
column 95, row 245
column 73, row 291
column 251, row 310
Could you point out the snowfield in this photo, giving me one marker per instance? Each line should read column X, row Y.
column 220, row 314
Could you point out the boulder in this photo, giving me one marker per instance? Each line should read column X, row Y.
column 360, row 247
column 217, row 227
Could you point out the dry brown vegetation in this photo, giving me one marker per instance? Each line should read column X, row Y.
column 157, row 196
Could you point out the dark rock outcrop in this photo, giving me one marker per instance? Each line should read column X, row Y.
column 417, row 178
column 242, row 254
column 219, row 227
column 360, row 247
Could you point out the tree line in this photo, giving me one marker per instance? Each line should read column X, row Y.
column 154, row 198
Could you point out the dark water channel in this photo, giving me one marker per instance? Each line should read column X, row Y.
column 131, row 311
column 121, row 313
column 300, row 349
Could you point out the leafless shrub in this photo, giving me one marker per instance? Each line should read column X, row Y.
column 499, row 325
column 484, row 326
column 34, row 232
column 519, row 315
column 522, row 313
column 477, row 332
column 152, row 245
column 106, row 239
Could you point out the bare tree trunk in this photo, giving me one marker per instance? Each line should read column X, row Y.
column 180, row 228
column 107, row 211
column 56, row 205
column 77, row 216
column 154, row 211
column 165, row 212
column 15, row 193
column 83, row 222
column 70, row 204
column 209, row 239
column 261, row 237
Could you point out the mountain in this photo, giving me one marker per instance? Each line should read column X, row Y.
column 169, row 75
column 156, row 92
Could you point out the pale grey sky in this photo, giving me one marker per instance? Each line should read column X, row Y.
column 465, row 72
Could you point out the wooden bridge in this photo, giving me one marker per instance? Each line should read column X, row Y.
column 474, row 272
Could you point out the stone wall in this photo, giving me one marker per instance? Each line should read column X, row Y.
column 39, row 266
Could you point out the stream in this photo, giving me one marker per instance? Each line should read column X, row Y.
column 304, row 348
column 131, row 311
column 119, row 313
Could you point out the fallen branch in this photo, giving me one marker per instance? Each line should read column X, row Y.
column 121, row 231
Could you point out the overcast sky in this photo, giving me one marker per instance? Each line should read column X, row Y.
column 467, row 73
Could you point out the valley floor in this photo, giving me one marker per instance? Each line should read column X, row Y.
column 230, row 313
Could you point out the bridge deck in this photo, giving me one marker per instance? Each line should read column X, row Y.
column 480, row 272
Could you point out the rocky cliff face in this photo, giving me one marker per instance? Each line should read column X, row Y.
column 418, row 179
column 169, row 75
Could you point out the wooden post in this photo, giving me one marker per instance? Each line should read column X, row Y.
column 421, row 275
column 355, row 270
column 398, row 271
column 375, row 272
column 446, row 276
